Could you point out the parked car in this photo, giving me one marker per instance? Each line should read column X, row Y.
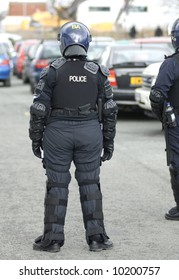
column 30, row 55
column 6, row 66
column 126, row 62
column 149, row 76
column 97, row 46
column 9, row 48
column 16, row 48
column 163, row 40
column 23, row 50
column 47, row 51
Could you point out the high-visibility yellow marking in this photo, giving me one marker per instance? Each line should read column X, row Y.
column 75, row 26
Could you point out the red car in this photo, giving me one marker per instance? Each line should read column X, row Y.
column 23, row 50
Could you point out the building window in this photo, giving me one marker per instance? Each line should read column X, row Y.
column 137, row 9
column 99, row 9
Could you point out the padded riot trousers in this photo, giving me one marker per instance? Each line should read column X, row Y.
column 79, row 142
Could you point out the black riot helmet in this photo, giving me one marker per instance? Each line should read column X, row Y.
column 173, row 31
column 74, row 38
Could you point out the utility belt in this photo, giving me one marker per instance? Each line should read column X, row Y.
column 84, row 110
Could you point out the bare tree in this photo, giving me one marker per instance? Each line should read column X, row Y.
column 73, row 8
column 123, row 9
column 64, row 12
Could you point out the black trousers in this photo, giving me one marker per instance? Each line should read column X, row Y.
column 79, row 142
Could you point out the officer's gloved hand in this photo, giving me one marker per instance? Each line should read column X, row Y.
column 108, row 149
column 37, row 148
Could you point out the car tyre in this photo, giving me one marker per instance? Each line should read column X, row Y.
column 7, row 83
column 25, row 79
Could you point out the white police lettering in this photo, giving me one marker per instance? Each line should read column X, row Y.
column 78, row 79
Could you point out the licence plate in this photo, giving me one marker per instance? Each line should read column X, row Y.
column 136, row 81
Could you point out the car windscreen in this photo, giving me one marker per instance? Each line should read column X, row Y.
column 32, row 50
column 3, row 51
column 132, row 54
column 95, row 51
column 50, row 51
column 27, row 48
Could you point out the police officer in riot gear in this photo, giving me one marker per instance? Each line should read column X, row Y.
column 164, row 97
column 64, row 123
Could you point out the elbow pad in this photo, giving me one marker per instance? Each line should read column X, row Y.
column 38, row 109
column 156, row 96
column 110, row 110
column 38, row 114
column 157, row 102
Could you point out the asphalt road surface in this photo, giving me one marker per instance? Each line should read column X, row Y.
column 135, row 186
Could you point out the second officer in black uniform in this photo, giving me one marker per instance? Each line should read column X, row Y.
column 64, row 122
column 164, row 97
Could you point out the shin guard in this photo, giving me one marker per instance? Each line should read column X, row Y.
column 55, row 205
column 91, row 204
column 174, row 173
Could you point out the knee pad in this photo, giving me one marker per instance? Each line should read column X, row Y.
column 174, row 172
column 86, row 174
column 57, row 173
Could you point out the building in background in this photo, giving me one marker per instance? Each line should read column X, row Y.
column 20, row 13
column 99, row 14
column 37, row 14
column 117, row 16
column 3, row 13
column 148, row 15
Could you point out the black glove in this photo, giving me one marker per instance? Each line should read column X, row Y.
column 36, row 148
column 108, row 150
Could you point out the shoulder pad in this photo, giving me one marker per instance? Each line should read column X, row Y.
column 175, row 55
column 104, row 70
column 57, row 63
column 91, row 67
column 44, row 72
column 168, row 56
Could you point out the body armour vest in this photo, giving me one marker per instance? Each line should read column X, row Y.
column 75, row 86
column 173, row 95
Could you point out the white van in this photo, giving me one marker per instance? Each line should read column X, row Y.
column 142, row 94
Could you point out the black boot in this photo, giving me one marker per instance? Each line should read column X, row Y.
column 98, row 243
column 46, row 245
column 173, row 214
column 99, row 246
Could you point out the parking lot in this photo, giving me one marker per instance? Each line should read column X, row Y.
column 135, row 185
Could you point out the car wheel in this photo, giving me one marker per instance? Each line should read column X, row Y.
column 7, row 83
column 25, row 79
column 19, row 75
